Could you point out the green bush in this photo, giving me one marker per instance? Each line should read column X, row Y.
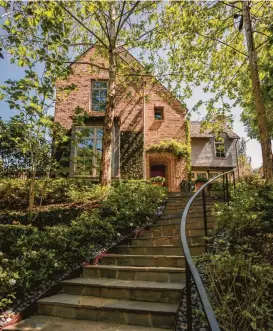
column 32, row 257
column 241, row 291
column 239, row 268
column 14, row 192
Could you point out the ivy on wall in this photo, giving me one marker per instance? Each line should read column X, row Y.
column 131, row 155
column 172, row 146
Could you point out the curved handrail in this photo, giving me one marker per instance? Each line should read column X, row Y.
column 212, row 321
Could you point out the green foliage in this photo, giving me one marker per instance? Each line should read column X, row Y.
column 241, row 290
column 239, row 268
column 31, row 258
column 131, row 155
column 201, row 180
column 14, row 192
column 179, row 150
column 157, row 179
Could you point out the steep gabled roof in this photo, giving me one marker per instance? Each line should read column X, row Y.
column 196, row 132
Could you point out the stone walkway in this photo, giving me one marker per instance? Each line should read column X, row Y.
column 137, row 285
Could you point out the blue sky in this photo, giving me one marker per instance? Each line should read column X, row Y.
column 11, row 71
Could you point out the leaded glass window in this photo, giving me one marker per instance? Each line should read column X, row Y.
column 99, row 95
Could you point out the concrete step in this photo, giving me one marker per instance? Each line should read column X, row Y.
column 158, row 250
column 52, row 323
column 153, row 274
column 144, row 260
column 176, row 241
column 124, row 289
column 179, row 195
column 151, row 314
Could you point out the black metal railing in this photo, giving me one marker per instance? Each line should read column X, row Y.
column 191, row 270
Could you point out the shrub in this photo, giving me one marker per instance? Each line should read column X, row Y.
column 32, row 257
column 239, row 268
column 14, row 192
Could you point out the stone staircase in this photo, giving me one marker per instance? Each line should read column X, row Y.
column 137, row 286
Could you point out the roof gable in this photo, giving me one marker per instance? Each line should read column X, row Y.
column 197, row 132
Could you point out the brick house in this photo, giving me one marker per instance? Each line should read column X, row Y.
column 211, row 155
column 146, row 113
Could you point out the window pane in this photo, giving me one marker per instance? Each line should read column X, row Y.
column 99, row 132
column 99, row 95
column 99, row 84
column 84, row 157
column 85, row 132
column 158, row 115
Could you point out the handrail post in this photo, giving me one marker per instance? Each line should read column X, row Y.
column 224, row 190
column 188, row 296
column 227, row 188
column 205, row 218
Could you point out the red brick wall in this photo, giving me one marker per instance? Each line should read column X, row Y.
column 129, row 106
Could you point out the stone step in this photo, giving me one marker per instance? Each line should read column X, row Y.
column 153, row 274
column 158, row 250
column 172, row 233
column 176, row 226
column 52, row 323
column 195, row 212
column 151, row 314
column 193, row 220
column 144, row 260
column 176, row 241
column 180, row 195
column 124, row 289
column 156, row 241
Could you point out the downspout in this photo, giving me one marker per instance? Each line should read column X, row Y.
column 144, row 126
column 238, row 169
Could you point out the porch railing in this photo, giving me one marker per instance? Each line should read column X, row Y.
column 191, row 270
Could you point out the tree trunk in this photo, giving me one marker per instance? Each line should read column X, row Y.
column 31, row 195
column 257, row 94
column 107, row 141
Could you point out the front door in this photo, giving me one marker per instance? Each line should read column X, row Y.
column 157, row 170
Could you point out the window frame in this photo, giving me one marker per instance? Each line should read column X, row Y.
column 218, row 143
column 98, row 89
column 161, row 110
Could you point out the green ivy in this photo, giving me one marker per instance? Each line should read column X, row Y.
column 131, row 155
column 174, row 147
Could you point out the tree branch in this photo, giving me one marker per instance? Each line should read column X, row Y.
column 129, row 13
column 93, row 34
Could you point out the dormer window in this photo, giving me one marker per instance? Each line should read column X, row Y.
column 159, row 113
column 220, row 150
column 99, row 95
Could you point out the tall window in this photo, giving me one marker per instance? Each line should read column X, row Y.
column 220, row 150
column 99, row 95
column 88, row 150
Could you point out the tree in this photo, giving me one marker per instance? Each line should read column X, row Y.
column 207, row 46
column 244, row 162
column 79, row 24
